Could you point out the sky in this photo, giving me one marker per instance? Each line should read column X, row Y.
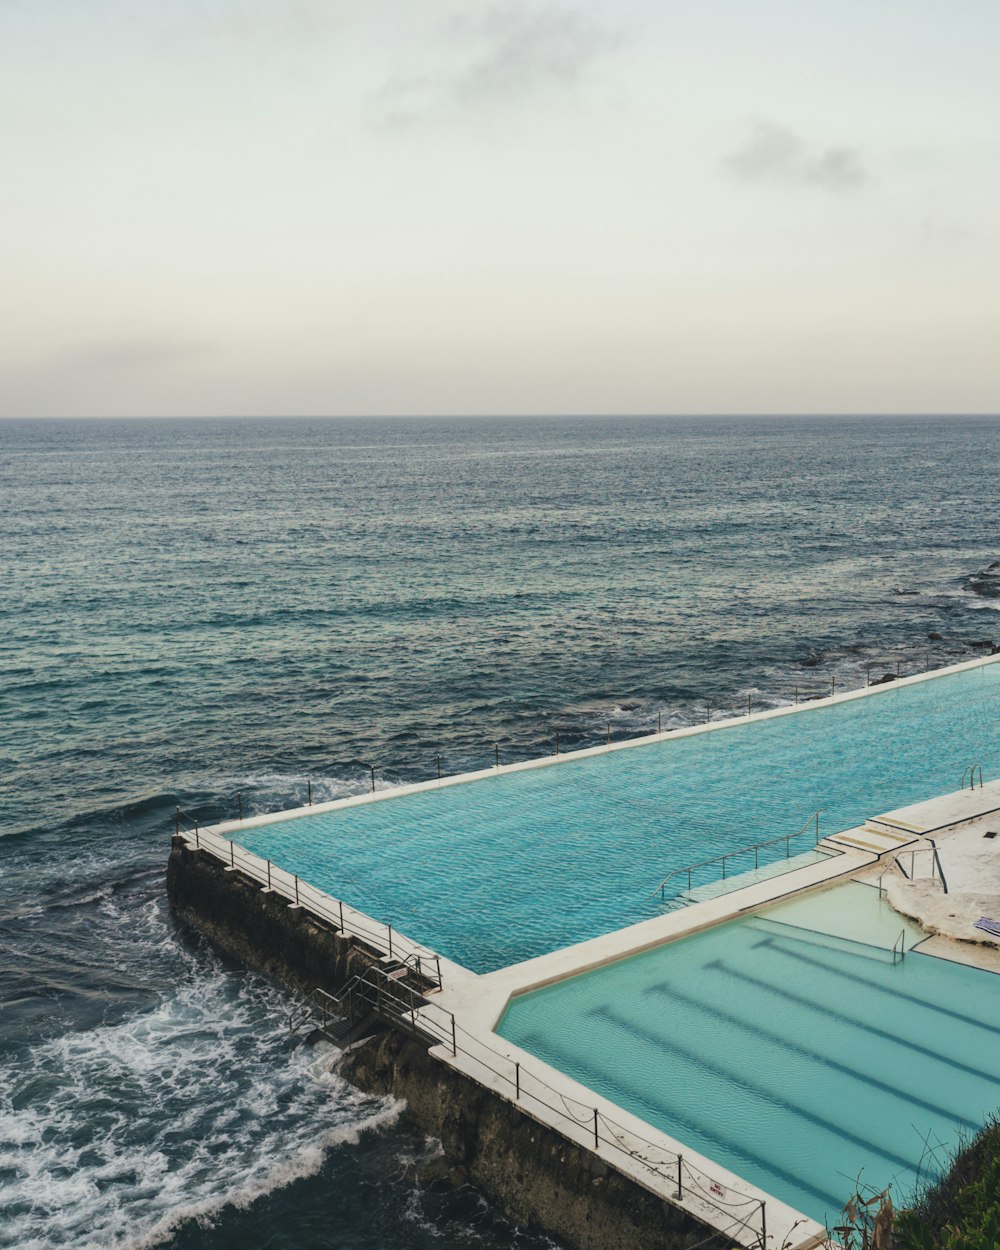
column 329, row 207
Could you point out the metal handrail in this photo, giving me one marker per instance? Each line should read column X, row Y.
column 380, row 937
column 913, row 658
column 937, row 860
column 913, row 852
column 758, row 846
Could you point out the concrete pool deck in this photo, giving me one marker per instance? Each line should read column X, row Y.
column 479, row 1002
column 967, row 856
column 864, row 853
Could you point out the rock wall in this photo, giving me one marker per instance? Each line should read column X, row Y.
column 538, row 1177
column 258, row 929
column 534, row 1174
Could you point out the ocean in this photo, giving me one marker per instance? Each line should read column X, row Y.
column 203, row 613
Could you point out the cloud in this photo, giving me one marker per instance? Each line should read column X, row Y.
column 775, row 154
column 523, row 51
column 499, row 58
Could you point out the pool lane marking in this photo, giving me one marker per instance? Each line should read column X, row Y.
column 761, row 1093
column 776, row 941
column 596, row 1079
column 802, row 1001
column 779, row 1039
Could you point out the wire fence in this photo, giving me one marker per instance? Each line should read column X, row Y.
column 666, row 1172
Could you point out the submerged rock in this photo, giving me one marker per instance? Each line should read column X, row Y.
column 986, row 582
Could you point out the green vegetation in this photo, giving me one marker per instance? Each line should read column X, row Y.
column 960, row 1212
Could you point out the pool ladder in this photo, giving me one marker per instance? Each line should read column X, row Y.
column 970, row 776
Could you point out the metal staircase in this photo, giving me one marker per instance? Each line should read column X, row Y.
column 380, row 995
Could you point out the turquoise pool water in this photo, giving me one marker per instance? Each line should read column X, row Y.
column 797, row 1058
column 494, row 872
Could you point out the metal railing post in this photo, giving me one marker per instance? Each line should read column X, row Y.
column 763, row 1224
column 232, row 854
column 437, row 960
column 680, row 1181
column 454, row 1039
column 597, row 1140
column 309, row 791
column 268, row 874
column 517, row 1080
column 659, row 722
column 373, row 778
column 833, row 686
column 296, row 891
column 177, row 822
column 389, row 927
column 341, row 902
column 609, row 733
column 496, row 752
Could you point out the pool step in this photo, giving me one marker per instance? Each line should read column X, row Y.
column 876, row 841
column 901, row 828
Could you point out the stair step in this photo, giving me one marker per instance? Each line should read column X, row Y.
column 895, row 824
column 840, row 839
column 884, row 833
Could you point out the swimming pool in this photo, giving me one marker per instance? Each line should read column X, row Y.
column 798, row 1057
column 496, row 871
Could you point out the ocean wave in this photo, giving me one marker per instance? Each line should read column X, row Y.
column 115, row 1136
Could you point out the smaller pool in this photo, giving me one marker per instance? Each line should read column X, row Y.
column 792, row 1047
